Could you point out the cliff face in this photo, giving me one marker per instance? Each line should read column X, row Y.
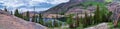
column 8, row 21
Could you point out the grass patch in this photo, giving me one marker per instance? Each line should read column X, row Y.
column 111, row 25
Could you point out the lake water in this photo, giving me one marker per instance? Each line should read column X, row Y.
column 46, row 20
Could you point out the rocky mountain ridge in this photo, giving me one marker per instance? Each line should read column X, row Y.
column 64, row 7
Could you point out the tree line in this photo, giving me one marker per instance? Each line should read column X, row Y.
column 27, row 16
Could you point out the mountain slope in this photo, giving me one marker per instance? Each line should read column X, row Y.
column 64, row 7
column 8, row 21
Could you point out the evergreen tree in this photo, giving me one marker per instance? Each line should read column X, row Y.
column 11, row 13
column 36, row 19
column 101, row 14
column 6, row 9
column 27, row 14
column 87, row 20
column 27, row 17
column 33, row 19
column 70, row 20
column 40, row 19
column 34, row 16
column 97, row 15
column 17, row 13
column 54, row 22
column 77, row 20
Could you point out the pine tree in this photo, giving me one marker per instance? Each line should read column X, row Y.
column 77, row 21
column 40, row 19
column 6, row 9
column 27, row 16
column 101, row 14
column 33, row 18
column 36, row 19
column 17, row 13
column 70, row 20
column 97, row 15
column 11, row 13
column 86, row 20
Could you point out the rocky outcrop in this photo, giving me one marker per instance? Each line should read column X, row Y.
column 115, row 8
column 11, row 22
column 80, row 10
column 99, row 26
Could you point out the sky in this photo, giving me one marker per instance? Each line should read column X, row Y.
column 28, row 5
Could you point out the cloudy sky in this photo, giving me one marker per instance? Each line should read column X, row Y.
column 27, row 5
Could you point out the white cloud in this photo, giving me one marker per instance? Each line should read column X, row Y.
column 29, row 3
column 31, row 9
column 12, row 3
column 39, row 0
column 58, row 1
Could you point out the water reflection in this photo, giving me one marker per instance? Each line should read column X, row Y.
column 49, row 21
